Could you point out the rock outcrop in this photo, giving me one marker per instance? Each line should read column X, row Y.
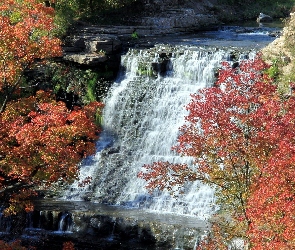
column 101, row 227
column 90, row 47
column 279, row 49
column 179, row 20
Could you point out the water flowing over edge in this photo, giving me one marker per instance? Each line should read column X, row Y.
column 144, row 109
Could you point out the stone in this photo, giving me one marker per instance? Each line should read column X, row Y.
column 86, row 59
column 262, row 18
column 286, row 59
column 179, row 20
column 104, row 45
column 275, row 33
column 91, row 47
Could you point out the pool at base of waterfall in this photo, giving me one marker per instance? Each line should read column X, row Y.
column 96, row 226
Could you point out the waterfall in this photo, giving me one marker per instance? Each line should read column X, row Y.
column 144, row 109
column 65, row 223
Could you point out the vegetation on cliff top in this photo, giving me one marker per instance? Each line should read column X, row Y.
column 231, row 10
column 110, row 11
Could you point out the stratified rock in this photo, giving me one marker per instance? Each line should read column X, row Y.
column 90, row 47
column 86, row 59
column 180, row 20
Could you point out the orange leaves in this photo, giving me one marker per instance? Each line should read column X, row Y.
column 24, row 37
column 68, row 246
column 272, row 205
column 43, row 141
column 15, row 245
column 19, row 201
column 164, row 175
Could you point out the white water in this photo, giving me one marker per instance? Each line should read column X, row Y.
column 141, row 119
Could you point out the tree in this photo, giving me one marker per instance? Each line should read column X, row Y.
column 25, row 37
column 230, row 134
column 42, row 142
column 16, row 245
column 271, row 207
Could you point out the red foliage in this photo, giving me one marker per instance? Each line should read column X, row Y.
column 25, row 36
column 68, row 246
column 271, row 207
column 42, row 142
column 15, row 245
column 213, row 242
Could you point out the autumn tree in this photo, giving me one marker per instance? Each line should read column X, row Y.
column 42, row 141
column 16, row 245
column 235, row 132
column 271, row 206
column 25, row 37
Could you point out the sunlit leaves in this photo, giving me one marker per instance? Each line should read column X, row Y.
column 25, row 36
column 272, row 205
column 164, row 175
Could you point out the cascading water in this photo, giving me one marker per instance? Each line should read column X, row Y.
column 143, row 112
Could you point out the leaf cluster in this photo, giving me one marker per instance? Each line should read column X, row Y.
column 42, row 142
column 68, row 80
column 23, row 40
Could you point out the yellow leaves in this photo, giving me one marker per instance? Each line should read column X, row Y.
column 18, row 201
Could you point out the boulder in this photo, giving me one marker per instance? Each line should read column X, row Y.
column 262, row 18
column 86, row 59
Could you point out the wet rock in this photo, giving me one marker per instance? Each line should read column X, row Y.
column 103, row 227
column 244, row 30
column 277, row 33
column 262, row 18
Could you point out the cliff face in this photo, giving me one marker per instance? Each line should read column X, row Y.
column 166, row 16
column 222, row 10
column 199, row 6
column 98, row 45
